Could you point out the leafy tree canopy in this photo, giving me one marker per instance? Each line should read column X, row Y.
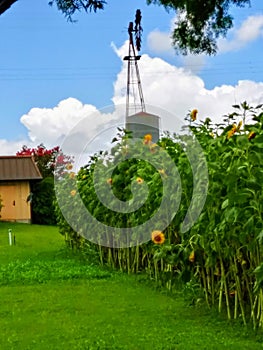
column 42, row 195
column 44, row 158
column 199, row 22
column 198, row 25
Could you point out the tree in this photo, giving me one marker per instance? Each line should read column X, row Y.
column 5, row 4
column 43, row 193
column 198, row 25
column 44, row 158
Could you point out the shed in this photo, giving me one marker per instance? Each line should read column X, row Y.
column 16, row 175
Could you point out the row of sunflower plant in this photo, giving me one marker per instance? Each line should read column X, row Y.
column 222, row 251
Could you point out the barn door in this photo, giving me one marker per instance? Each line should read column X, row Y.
column 8, row 195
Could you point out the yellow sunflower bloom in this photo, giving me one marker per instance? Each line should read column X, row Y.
column 239, row 125
column 73, row 193
column 251, row 135
column 72, row 175
column 139, row 180
column 109, row 181
column 158, row 237
column 162, row 172
column 192, row 256
column 193, row 114
column 153, row 147
column 231, row 132
column 69, row 166
column 147, row 139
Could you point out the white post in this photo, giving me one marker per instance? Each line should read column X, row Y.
column 10, row 236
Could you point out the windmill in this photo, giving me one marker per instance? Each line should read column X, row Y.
column 137, row 120
column 134, row 87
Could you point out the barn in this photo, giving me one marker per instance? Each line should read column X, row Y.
column 16, row 176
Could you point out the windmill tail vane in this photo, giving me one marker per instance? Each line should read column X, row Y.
column 138, row 29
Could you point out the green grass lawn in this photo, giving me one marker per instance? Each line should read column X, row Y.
column 53, row 299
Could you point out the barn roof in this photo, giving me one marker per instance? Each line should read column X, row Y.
column 18, row 168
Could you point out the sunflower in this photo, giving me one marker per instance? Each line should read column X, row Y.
column 73, row 193
column 193, row 114
column 162, row 172
column 109, row 181
column 239, row 125
column 231, row 132
column 139, row 180
column 251, row 135
column 69, row 166
column 147, row 139
column 192, row 257
column 153, row 147
column 158, row 237
column 72, row 175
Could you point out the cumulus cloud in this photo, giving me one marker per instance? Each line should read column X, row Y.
column 178, row 90
column 51, row 124
column 11, row 147
column 250, row 30
column 169, row 91
column 160, row 42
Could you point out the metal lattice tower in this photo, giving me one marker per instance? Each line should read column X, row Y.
column 134, row 95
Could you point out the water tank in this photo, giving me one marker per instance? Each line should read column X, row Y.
column 143, row 123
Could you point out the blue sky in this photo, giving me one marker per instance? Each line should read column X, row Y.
column 48, row 65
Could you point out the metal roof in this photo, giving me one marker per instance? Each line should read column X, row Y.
column 14, row 168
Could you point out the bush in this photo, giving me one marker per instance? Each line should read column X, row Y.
column 43, row 209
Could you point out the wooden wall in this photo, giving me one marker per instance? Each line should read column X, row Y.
column 14, row 199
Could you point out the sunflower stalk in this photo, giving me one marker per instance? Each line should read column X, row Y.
column 225, row 287
column 205, row 285
column 239, row 292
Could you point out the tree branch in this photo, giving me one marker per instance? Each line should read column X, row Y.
column 5, row 5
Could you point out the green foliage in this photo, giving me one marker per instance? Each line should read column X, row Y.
column 39, row 271
column 117, row 312
column 42, row 195
column 222, row 252
column 199, row 23
column 43, row 210
column 69, row 7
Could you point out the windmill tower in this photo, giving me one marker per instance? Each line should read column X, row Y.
column 137, row 119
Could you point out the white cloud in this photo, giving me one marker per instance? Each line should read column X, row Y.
column 250, row 30
column 178, row 90
column 169, row 91
column 50, row 124
column 11, row 147
column 160, row 42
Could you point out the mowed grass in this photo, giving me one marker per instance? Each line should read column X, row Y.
column 52, row 299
